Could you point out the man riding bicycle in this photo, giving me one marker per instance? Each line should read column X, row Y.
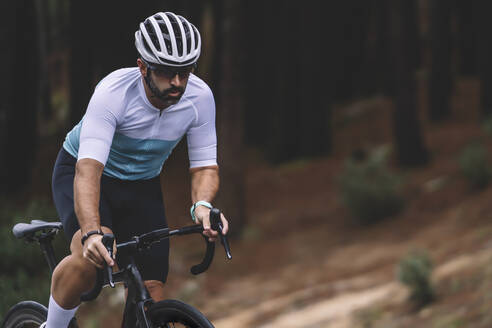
column 106, row 176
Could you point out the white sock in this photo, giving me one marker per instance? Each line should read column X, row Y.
column 58, row 317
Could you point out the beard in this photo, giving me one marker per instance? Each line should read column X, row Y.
column 164, row 94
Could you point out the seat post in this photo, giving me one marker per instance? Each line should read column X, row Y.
column 48, row 251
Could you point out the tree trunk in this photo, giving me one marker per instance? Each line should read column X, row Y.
column 383, row 62
column 22, row 97
column 410, row 148
column 343, row 47
column 440, row 82
column 466, row 38
column 259, row 67
column 481, row 10
column 231, row 198
column 44, row 85
column 81, row 41
column 218, row 43
column 7, row 71
column 283, row 54
column 316, row 81
column 290, row 77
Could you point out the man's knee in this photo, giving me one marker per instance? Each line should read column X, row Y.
column 75, row 265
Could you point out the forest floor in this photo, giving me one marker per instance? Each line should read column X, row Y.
column 304, row 262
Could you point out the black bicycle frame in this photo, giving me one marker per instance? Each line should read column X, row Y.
column 138, row 297
column 45, row 242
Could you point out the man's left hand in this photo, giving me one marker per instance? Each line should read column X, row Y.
column 202, row 214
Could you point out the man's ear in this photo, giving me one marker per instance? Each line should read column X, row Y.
column 142, row 67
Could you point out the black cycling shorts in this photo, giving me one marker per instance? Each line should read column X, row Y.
column 128, row 208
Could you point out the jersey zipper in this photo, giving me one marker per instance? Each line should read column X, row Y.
column 155, row 128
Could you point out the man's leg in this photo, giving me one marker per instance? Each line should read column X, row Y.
column 156, row 289
column 73, row 276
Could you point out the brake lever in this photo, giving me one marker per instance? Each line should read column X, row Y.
column 225, row 242
column 217, row 225
column 108, row 241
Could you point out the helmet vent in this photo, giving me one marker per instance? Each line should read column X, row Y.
column 187, row 34
column 177, row 33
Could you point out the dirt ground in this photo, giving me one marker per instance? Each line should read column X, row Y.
column 304, row 262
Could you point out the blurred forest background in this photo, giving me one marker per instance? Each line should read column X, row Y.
column 355, row 141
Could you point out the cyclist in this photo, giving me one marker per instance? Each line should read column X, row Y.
column 106, row 176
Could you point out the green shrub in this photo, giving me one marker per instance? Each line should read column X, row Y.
column 368, row 188
column 368, row 317
column 415, row 270
column 475, row 166
column 487, row 126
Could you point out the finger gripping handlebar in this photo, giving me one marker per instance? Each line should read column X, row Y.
column 108, row 240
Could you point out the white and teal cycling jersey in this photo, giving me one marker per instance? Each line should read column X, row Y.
column 132, row 138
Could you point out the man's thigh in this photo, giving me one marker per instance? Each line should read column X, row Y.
column 140, row 210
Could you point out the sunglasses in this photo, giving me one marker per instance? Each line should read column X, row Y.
column 170, row 72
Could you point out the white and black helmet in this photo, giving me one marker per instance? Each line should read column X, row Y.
column 168, row 39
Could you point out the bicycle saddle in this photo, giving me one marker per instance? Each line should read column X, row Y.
column 22, row 230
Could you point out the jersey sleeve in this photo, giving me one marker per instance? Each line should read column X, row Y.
column 202, row 138
column 98, row 126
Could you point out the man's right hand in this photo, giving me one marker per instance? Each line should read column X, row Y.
column 95, row 251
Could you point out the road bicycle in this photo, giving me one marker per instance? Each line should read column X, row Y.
column 140, row 310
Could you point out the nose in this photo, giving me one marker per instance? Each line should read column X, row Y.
column 176, row 80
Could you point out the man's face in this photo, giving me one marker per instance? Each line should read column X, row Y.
column 167, row 83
